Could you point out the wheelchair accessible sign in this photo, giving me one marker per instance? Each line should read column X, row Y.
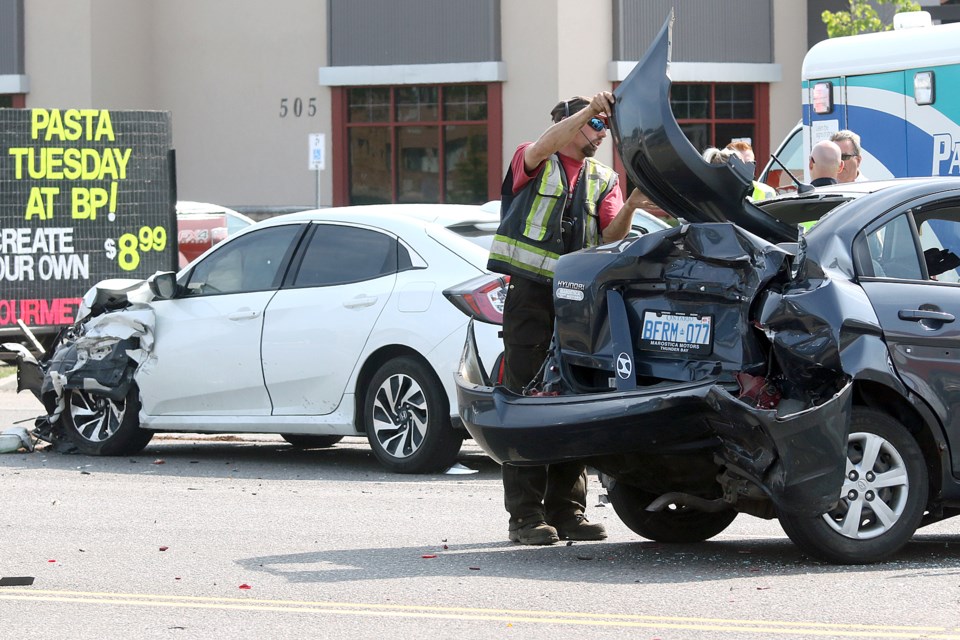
column 317, row 145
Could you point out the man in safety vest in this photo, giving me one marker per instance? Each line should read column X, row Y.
column 557, row 199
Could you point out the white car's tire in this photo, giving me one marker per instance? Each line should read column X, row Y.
column 407, row 418
column 99, row 426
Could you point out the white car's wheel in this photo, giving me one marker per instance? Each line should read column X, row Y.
column 407, row 418
column 99, row 426
column 882, row 500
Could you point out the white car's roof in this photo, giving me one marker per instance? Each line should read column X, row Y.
column 445, row 215
column 188, row 207
column 412, row 221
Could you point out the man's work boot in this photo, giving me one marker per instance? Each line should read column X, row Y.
column 536, row 533
column 579, row 528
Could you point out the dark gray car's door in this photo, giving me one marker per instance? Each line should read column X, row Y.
column 920, row 317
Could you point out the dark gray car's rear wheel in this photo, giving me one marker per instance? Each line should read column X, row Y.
column 407, row 418
column 675, row 524
column 99, row 426
column 882, row 500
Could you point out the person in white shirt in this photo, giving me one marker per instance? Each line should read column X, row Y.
column 849, row 143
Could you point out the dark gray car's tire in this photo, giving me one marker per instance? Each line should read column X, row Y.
column 99, row 426
column 407, row 418
column 310, row 442
column 675, row 524
column 882, row 499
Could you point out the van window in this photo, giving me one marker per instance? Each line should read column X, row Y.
column 790, row 154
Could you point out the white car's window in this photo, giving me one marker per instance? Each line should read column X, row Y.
column 234, row 224
column 249, row 263
column 339, row 254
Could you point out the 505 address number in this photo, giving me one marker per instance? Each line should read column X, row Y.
column 298, row 107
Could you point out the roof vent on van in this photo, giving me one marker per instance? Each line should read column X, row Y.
column 912, row 19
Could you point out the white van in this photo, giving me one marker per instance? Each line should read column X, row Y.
column 899, row 90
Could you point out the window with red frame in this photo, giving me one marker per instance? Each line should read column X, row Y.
column 714, row 114
column 11, row 100
column 425, row 143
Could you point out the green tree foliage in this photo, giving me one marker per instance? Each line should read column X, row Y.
column 862, row 17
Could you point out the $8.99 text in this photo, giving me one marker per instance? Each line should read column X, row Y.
column 128, row 247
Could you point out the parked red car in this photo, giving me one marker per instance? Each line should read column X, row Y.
column 201, row 225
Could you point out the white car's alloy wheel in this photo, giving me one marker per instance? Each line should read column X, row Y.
column 407, row 418
column 400, row 415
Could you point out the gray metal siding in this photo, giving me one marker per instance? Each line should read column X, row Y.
column 704, row 30
column 11, row 37
column 384, row 32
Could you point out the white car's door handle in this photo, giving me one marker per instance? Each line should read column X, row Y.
column 360, row 301
column 243, row 314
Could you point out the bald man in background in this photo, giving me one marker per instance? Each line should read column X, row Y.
column 825, row 163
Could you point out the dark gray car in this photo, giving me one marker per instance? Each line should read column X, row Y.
column 751, row 361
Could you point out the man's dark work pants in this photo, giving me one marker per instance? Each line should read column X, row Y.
column 558, row 492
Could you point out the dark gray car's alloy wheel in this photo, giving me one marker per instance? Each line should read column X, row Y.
column 97, row 425
column 882, row 500
column 407, row 418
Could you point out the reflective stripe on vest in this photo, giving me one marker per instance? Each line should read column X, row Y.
column 524, row 256
column 597, row 185
column 528, row 241
column 549, row 189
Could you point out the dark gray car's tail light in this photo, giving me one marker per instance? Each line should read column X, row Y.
column 481, row 298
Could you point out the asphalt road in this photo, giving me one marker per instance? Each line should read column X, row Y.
column 251, row 538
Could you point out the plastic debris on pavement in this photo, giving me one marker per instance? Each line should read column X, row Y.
column 14, row 439
column 16, row 581
column 459, row 470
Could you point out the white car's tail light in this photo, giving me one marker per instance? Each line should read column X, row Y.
column 481, row 298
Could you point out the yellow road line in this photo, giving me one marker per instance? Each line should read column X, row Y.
column 765, row 627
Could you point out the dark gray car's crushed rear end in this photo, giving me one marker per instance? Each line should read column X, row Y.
column 766, row 402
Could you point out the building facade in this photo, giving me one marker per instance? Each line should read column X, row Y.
column 416, row 100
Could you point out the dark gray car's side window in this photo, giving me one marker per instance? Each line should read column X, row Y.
column 893, row 251
column 939, row 231
column 248, row 263
column 338, row 254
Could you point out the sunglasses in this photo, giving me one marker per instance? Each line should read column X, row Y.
column 847, row 156
column 597, row 124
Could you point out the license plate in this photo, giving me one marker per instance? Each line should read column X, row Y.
column 669, row 332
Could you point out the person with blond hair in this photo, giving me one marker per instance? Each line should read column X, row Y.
column 744, row 151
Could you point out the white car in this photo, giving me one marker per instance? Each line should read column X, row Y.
column 314, row 325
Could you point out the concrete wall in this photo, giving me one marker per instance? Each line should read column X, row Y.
column 221, row 67
column 566, row 54
column 58, row 53
column 789, row 47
